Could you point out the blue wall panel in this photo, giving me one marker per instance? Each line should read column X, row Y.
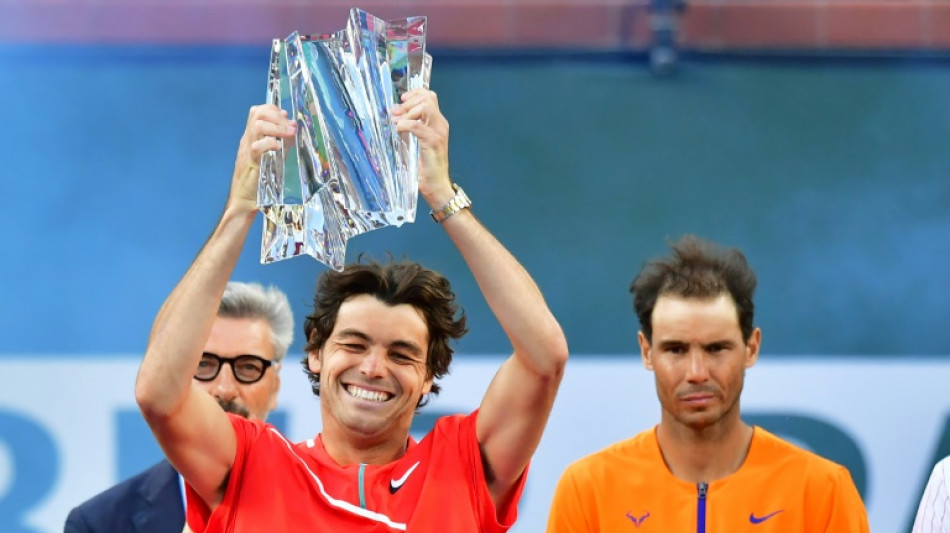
column 832, row 176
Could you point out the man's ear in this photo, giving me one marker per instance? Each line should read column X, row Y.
column 314, row 360
column 645, row 353
column 752, row 348
column 427, row 386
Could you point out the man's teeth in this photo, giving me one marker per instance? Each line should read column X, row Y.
column 364, row 394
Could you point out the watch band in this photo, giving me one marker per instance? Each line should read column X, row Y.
column 458, row 202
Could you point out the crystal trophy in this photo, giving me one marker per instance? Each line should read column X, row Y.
column 348, row 171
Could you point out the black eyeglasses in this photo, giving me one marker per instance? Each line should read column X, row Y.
column 247, row 369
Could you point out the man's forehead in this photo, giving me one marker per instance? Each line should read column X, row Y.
column 363, row 311
column 231, row 337
column 678, row 301
column 688, row 313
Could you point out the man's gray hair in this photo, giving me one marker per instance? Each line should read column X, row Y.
column 252, row 300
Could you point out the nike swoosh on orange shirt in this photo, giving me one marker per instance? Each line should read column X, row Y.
column 756, row 520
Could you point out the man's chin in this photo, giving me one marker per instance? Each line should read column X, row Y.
column 700, row 420
column 363, row 428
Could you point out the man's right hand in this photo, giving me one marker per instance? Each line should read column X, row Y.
column 267, row 125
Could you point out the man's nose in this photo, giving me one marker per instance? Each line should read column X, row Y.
column 697, row 371
column 225, row 385
column 373, row 363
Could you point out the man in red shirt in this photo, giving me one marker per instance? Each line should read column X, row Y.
column 377, row 341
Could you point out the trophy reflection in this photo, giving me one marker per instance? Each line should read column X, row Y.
column 348, row 171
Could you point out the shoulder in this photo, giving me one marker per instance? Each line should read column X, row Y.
column 252, row 433
column 247, row 425
column 943, row 467
column 451, row 426
column 771, row 447
column 935, row 501
column 266, row 445
column 940, row 476
column 636, row 454
column 116, row 499
column 778, row 454
column 130, row 486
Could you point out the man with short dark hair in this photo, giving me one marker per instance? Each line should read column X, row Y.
column 376, row 343
column 702, row 468
column 239, row 368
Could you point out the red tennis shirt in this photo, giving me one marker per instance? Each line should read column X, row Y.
column 276, row 486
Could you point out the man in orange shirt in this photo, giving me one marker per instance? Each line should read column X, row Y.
column 702, row 468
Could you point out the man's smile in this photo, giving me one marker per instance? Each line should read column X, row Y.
column 368, row 395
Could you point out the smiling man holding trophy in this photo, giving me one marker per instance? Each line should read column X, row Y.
column 378, row 338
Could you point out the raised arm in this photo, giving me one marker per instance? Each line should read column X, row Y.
column 192, row 429
column 516, row 406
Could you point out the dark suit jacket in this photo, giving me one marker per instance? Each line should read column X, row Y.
column 149, row 502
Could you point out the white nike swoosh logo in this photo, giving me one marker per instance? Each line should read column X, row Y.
column 394, row 484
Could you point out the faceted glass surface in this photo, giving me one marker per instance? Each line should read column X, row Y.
column 348, row 171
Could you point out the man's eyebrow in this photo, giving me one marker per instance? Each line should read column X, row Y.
column 719, row 344
column 350, row 332
column 408, row 346
column 667, row 343
column 723, row 345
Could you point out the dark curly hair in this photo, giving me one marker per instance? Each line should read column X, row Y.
column 393, row 283
column 697, row 269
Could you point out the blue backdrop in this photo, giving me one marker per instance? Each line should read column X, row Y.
column 831, row 175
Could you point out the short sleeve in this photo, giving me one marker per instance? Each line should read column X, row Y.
column 199, row 516
column 848, row 512
column 568, row 514
column 491, row 518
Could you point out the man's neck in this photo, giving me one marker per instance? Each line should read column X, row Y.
column 345, row 450
column 704, row 455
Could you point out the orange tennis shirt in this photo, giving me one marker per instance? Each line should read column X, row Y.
column 276, row 486
column 780, row 488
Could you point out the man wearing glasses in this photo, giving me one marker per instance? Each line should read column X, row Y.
column 239, row 368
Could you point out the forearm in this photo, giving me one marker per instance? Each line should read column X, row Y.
column 183, row 323
column 509, row 291
column 512, row 295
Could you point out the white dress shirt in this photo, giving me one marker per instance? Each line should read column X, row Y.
column 933, row 515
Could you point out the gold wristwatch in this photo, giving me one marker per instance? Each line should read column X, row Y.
column 458, row 202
